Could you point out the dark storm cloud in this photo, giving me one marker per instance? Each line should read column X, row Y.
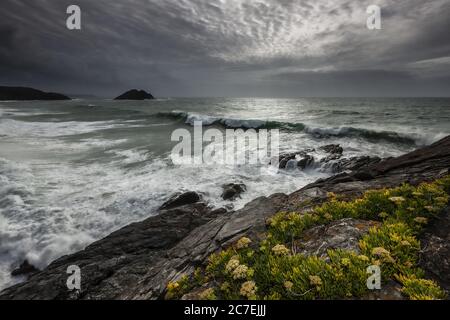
column 227, row 48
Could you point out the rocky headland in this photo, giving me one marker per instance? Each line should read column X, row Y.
column 141, row 259
column 24, row 93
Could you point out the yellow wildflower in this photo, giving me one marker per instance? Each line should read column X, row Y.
column 421, row 220
column 225, row 286
column 248, row 289
column 240, row 272
column 380, row 252
column 328, row 216
column 243, row 243
column 383, row 254
column 405, row 243
column 346, row 262
column 231, row 265
column 207, row 294
column 397, row 200
column 363, row 257
column 383, row 215
column 315, row 281
column 172, row 285
column 288, row 285
column 280, row 250
column 395, row 237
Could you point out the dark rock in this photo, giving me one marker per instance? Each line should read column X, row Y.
column 24, row 269
column 388, row 291
column 111, row 267
column 24, row 93
column 233, row 191
column 435, row 253
column 333, row 149
column 302, row 158
column 135, row 95
column 305, row 161
column 181, row 199
column 196, row 293
column 352, row 164
column 331, row 157
column 340, row 234
column 363, row 175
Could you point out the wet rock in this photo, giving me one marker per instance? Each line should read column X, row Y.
column 352, row 164
column 24, row 269
column 305, row 161
column 301, row 158
column 112, row 267
column 233, row 191
column 333, row 149
column 340, row 234
column 181, row 199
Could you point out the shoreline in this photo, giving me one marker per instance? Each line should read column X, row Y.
column 137, row 261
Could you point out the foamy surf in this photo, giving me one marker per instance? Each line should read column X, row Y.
column 72, row 173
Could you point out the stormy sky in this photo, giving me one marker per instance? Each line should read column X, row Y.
column 248, row 48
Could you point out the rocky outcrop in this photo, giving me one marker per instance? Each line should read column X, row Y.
column 333, row 149
column 348, row 164
column 232, row 191
column 25, row 268
column 292, row 160
column 341, row 234
column 333, row 162
column 135, row 95
column 24, row 93
column 181, row 199
column 139, row 260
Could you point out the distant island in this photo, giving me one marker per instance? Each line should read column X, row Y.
column 135, row 95
column 24, row 93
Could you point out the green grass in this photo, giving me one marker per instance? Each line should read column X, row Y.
column 270, row 270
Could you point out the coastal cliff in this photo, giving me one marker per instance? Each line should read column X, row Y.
column 140, row 260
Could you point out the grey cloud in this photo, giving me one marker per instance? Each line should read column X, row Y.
column 214, row 47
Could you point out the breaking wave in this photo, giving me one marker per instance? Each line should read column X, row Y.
column 316, row 132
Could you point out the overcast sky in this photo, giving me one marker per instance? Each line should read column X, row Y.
column 264, row 48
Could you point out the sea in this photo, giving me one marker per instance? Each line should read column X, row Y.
column 71, row 172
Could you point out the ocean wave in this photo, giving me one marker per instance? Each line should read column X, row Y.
column 406, row 138
column 231, row 123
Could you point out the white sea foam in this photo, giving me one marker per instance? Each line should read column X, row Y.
column 15, row 128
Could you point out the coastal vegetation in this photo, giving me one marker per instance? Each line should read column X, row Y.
column 272, row 269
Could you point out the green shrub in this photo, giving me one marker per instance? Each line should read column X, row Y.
column 271, row 270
